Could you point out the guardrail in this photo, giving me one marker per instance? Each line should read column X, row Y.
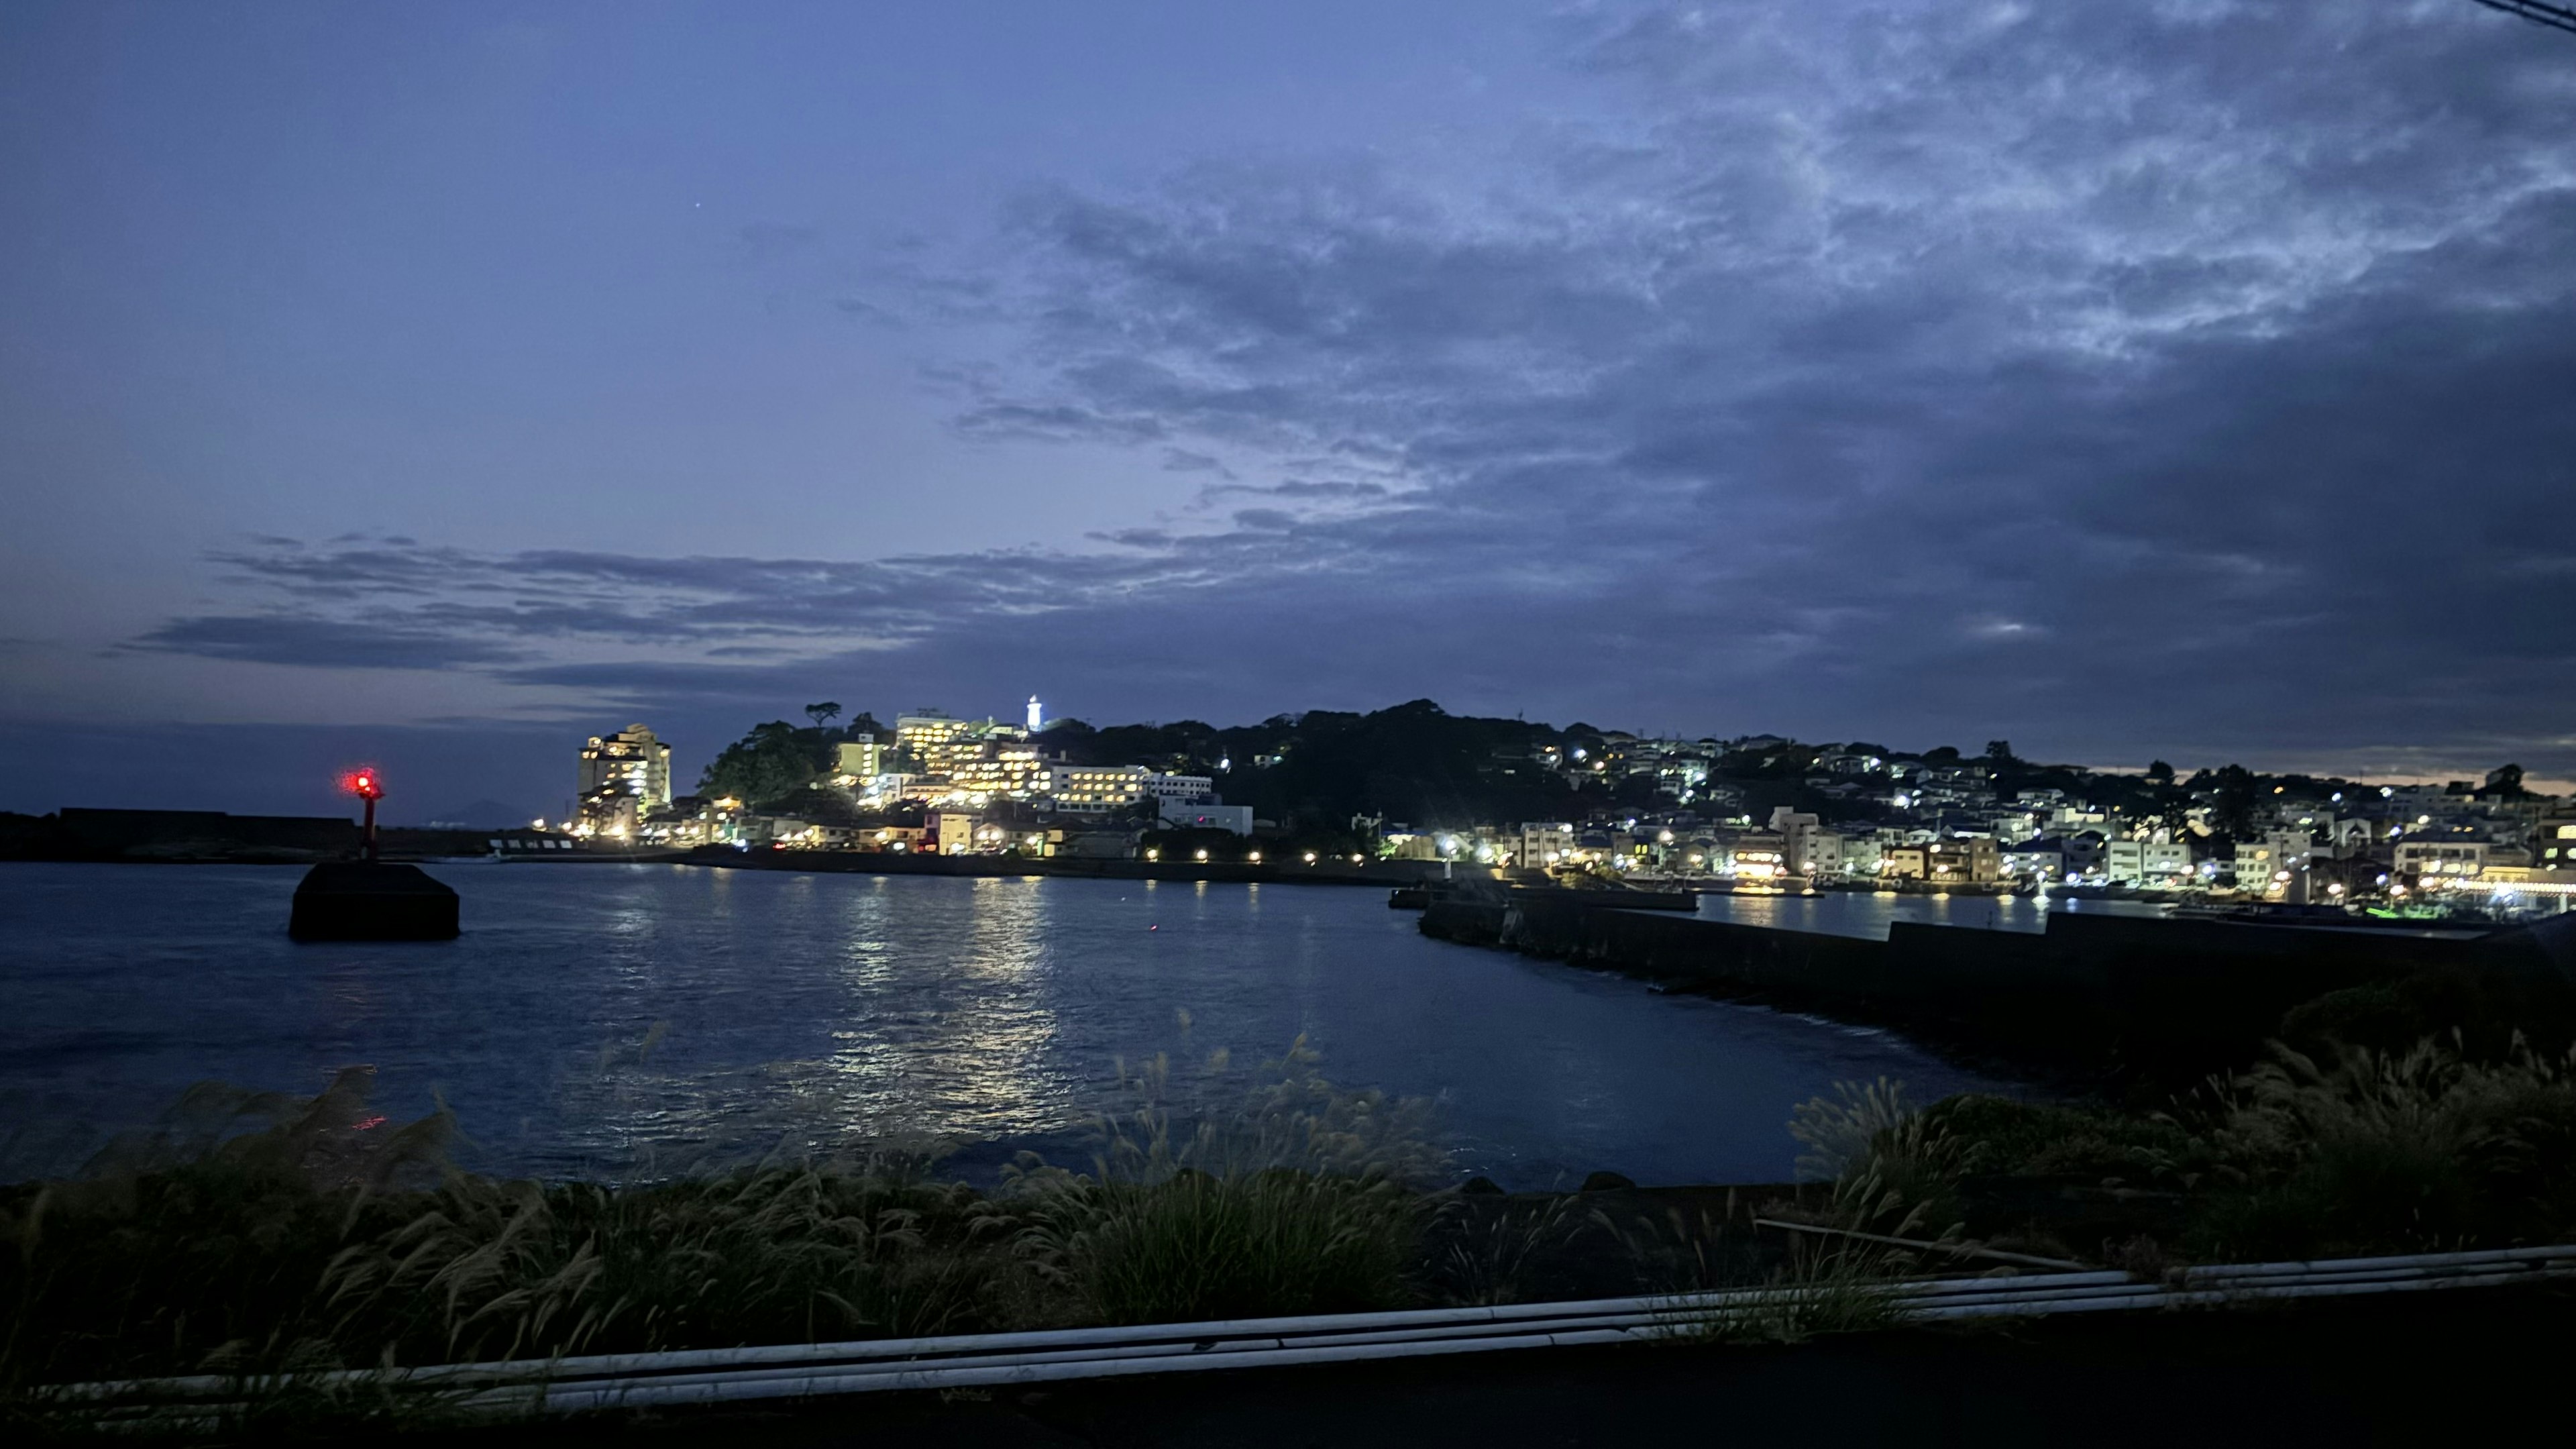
column 791, row 1371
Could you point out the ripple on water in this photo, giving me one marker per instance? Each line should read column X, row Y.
column 602, row 1019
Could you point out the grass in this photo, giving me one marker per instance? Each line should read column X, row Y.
column 269, row 1238
column 2366, row 1151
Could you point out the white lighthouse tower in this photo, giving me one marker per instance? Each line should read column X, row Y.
column 1037, row 715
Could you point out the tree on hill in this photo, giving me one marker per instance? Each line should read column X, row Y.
column 823, row 714
column 772, row 762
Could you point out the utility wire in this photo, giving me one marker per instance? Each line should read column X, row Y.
column 2556, row 17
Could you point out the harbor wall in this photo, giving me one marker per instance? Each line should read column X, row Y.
column 2089, row 989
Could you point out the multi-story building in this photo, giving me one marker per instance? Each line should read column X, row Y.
column 2146, row 862
column 1179, row 789
column 2042, row 859
column 1862, row 853
column 1973, row 861
column 926, row 733
column 1096, row 789
column 2553, row 842
column 1205, row 814
column 1760, row 855
column 624, row 778
column 998, row 768
column 856, row 762
column 937, row 743
column 2457, row 859
column 1807, row 848
column 2261, row 863
column 1546, row 843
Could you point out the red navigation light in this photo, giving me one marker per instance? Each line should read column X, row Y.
column 363, row 784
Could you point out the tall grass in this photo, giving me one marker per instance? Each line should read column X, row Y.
column 270, row 1237
column 2419, row 1150
column 1295, row 1197
column 2424, row 1149
column 305, row 1242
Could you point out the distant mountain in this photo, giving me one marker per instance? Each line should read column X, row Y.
column 481, row 815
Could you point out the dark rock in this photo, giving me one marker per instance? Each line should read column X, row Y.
column 1480, row 1187
column 1605, row 1182
column 353, row 900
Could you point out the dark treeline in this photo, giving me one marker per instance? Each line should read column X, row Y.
column 1419, row 764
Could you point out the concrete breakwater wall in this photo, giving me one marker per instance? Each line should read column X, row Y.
column 2091, row 989
column 864, row 862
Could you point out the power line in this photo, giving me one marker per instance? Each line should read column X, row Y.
column 2556, row 17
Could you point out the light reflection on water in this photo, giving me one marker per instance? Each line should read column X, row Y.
column 609, row 1019
column 1870, row 913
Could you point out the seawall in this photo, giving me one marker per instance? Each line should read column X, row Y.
column 2094, row 991
column 1382, row 874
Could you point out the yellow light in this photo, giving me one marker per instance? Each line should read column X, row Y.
column 1255, row 857
column 1202, row 855
column 1310, row 857
column 1153, row 855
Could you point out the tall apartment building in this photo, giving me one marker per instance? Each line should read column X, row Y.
column 624, row 777
column 858, row 760
column 928, row 733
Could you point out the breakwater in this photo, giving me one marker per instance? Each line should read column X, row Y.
column 1381, row 873
column 2094, row 991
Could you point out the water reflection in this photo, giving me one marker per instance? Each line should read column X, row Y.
column 1870, row 913
column 609, row 1020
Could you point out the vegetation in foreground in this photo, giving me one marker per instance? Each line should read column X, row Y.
column 310, row 1242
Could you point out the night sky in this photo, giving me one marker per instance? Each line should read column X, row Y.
column 439, row 384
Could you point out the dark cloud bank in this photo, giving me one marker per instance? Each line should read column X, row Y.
column 2185, row 379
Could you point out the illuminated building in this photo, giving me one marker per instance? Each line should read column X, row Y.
column 858, row 761
column 938, row 743
column 926, row 734
column 2553, row 844
column 1096, row 789
column 1179, row 789
column 2147, row 862
column 1547, row 843
column 2457, row 858
column 624, row 777
column 998, row 768
column 1977, row 861
column 1206, row 815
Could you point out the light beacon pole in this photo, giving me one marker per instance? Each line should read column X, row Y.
column 367, row 786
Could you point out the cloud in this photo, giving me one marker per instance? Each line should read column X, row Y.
column 320, row 643
column 2114, row 377
column 1182, row 460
